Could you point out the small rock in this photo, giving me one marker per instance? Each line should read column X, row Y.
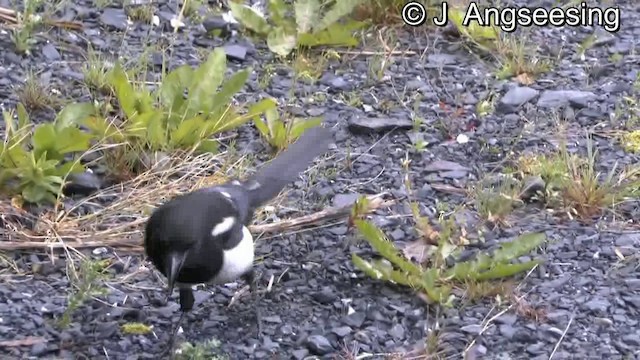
column 235, row 52
column 362, row 125
column 51, row 53
column 515, row 98
column 319, row 345
column 531, row 186
column 300, row 354
column 559, row 98
column 472, row 329
column 342, row 331
column 355, row 320
column 443, row 165
column 341, row 200
column 39, row 349
column 114, row 18
column 83, row 184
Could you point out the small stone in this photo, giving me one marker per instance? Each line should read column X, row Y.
column 362, row 125
column 319, row 345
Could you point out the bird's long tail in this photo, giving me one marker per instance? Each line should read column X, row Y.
column 287, row 166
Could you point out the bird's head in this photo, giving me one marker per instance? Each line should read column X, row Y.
column 174, row 234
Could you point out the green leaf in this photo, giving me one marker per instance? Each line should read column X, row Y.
column 127, row 98
column 277, row 11
column 205, row 82
column 249, row 18
column 339, row 10
column 103, row 129
column 506, row 270
column 300, row 126
column 171, row 92
column 188, row 132
column 208, row 146
column 281, row 41
column 230, row 88
column 262, row 128
column 523, row 245
column 336, row 35
column 261, row 107
column 44, row 139
column 156, row 132
column 382, row 245
column 307, row 14
column 73, row 114
column 72, row 139
column 70, row 167
column 23, row 117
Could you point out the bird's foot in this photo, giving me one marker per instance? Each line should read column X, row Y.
column 253, row 287
column 186, row 304
column 169, row 352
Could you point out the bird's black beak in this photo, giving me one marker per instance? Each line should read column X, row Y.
column 174, row 265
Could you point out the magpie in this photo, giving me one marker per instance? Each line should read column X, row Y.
column 202, row 236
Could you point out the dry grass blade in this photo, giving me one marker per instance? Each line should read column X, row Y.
column 120, row 224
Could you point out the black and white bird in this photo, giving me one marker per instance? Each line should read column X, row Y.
column 202, row 237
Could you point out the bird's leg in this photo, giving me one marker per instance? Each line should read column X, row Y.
column 186, row 304
column 249, row 277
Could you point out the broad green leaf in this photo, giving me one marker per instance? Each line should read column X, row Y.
column 171, row 92
column 230, row 120
column 279, row 134
column 205, row 82
column 70, row 167
column 9, row 123
column 72, row 139
column 23, row 116
column 506, row 270
column 382, row 245
column 307, row 14
column 188, row 132
column 208, row 146
column 273, row 119
column 103, row 128
column 339, row 10
column 140, row 122
column 44, row 139
column 127, row 98
column 156, row 133
column 281, row 41
column 261, row 107
column 300, row 126
column 262, row 128
column 518, row 247
column 337, row 35
column 277, row 11
column 37, row 195
column 73, row 114
column 366, row 267
column 229, row 88
column 249, row 18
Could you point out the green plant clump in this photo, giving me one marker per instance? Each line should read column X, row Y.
column 436, row 281
column 312, row 23
column 278, row 133
column 34, row 160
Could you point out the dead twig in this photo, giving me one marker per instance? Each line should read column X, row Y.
column 135, row 239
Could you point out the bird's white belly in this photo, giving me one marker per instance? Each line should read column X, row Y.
column 237, row 261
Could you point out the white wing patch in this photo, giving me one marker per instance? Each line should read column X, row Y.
column 225, row 194
column 222, row 227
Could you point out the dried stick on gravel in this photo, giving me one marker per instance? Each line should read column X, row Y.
column 135, row 242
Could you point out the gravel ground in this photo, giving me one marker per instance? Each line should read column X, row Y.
column 582, row 303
